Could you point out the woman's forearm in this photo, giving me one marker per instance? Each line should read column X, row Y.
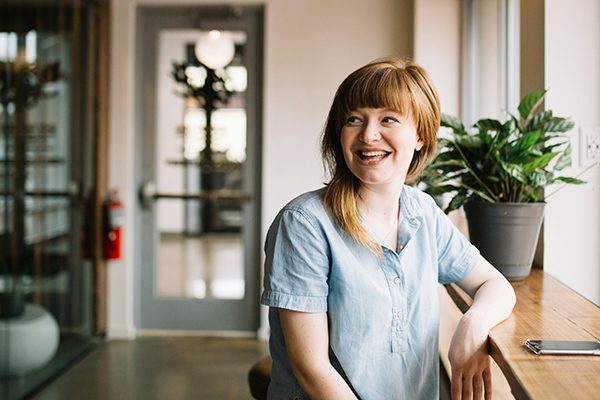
column 492, row 303
column 323, row 382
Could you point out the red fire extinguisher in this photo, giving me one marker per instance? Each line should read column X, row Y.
column 113, row 211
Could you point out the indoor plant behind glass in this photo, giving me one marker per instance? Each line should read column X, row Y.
column 498, row 173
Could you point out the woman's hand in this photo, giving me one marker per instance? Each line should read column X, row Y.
column 470, row 362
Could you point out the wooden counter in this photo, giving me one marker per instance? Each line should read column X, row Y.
column 546, row 309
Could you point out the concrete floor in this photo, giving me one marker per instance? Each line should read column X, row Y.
column 160, row 367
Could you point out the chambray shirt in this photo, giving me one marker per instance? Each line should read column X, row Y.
column 383, row 313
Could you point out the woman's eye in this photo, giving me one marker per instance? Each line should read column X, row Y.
column 389, row 120
column 352, row 120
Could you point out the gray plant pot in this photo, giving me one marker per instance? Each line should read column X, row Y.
column 506, row 234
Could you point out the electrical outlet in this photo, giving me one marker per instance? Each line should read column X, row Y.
column 589, row 145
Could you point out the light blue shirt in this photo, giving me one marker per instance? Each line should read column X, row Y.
column 383, row 312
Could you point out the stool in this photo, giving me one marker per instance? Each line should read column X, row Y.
column 259, row 378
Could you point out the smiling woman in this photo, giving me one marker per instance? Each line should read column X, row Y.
column 352, row 269
column 399, row 94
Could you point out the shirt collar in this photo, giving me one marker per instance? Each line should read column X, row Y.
column 409, row 206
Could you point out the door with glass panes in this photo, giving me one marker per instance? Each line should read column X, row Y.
column 199, row 148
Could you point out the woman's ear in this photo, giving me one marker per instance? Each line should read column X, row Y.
column 419, row 144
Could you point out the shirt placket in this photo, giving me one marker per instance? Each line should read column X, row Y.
column 396, row 283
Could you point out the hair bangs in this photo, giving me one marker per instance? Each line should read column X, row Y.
column 376, row 88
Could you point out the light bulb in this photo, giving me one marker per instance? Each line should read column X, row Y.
column 214, row 49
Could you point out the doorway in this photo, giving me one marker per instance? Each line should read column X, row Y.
column 199, row 132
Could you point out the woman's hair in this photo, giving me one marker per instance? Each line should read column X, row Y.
column 392, row 83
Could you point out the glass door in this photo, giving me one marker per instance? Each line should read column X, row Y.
column 46, row 172
column 200, row 142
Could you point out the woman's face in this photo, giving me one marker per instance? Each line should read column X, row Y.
column 378, row 145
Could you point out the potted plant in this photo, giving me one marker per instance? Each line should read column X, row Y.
column 498, row 173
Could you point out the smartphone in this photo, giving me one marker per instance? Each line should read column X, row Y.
column 587, row 347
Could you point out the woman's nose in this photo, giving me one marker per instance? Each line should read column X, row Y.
column 370, row 133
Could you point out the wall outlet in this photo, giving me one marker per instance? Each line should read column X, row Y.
column 589, row 145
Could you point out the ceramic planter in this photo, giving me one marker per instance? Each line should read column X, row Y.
column 506, row 234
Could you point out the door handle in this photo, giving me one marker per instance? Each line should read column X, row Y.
column 148, row 194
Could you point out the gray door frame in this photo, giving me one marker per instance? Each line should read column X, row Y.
column 150, row 312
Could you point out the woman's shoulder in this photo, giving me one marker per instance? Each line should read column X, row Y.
column 419, row 204
column 303, row 211
column 417, row 196
column 309, row 202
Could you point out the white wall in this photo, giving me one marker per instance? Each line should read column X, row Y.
column 310, row 46
column 572, row 222
column 437, row 47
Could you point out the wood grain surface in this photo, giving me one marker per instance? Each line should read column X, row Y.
column 546, row 309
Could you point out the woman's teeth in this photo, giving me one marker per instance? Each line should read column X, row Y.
column 372, row 154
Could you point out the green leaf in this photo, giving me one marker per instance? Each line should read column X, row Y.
column 514, row 170
column 454, row 123
column 567, row 179
column 526, row 141
column 558, row 124
column 438, row 190
column 564, row 160
column 555, row 144
column 539, row 162
column 538, row 121
column 445, row 168
column 539, row 178
column 468, row 142
column 530, row 103
column 489, row 125
column 457, row 202
column 512, row 123
column 451, row 155
column 449, row 163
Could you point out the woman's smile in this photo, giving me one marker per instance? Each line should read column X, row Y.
column 372, row 157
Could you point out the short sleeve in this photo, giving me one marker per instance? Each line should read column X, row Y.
column 456, row 255
column 296, row 264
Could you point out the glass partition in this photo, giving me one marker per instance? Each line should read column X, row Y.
column 46, row 171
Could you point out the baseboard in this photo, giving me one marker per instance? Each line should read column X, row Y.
column 173, row 332
column 121, row 332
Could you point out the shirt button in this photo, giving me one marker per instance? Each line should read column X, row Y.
column 401, row 247
column 397, row 280
column 413, row 219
